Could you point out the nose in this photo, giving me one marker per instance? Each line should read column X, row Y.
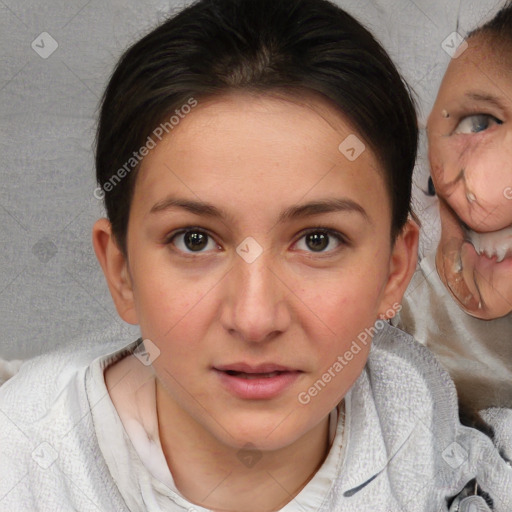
column 255, row 308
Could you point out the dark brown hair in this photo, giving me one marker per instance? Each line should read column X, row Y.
column 500, row 26
column 213, row 47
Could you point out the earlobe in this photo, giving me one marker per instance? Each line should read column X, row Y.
column 403, row 260
column 115, row 269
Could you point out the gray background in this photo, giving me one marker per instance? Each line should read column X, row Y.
column 52, row 290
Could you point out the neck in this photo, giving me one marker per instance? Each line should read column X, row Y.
column 224, row 478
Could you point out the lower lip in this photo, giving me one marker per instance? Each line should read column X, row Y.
column 263, row 388
column 483, row 262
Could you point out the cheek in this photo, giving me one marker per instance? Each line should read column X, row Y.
column 437, row 162
column 448, row 156
column 176, row 319
column 447, row 159
column 489, row 172
column 487, row 164
column 490, row 177
column 167, row 301
column 343, row 304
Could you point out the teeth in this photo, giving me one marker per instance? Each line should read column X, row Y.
column 495, row 243
column 501, row 252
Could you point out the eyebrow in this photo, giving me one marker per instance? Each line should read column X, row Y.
column 486, row 98
column 293, row 212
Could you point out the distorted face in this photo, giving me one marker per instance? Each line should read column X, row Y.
column 257, row 253
column 470, row 151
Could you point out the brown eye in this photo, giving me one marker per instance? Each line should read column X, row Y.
column 320, row 239
column 191, row 241
column 317, row 241
column 195, row 241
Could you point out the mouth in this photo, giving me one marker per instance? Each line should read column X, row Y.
column 493, row 244
column 474, row 266
column 250, row 376
column 254, row 382
column 261, row 371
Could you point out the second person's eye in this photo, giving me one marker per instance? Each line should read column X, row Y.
column 476, row 123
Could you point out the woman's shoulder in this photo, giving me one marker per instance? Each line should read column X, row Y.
column 46, row 373
column 47, row 434
column 409, row 389
column 416, row 402
column 8, row 369
column 47, row 381
column 398, row 358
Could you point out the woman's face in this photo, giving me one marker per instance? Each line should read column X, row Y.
column 258, row 251
column 470, row 151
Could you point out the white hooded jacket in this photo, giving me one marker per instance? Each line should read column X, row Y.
column 402, row 446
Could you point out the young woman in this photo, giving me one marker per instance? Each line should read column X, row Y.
column 255, row 158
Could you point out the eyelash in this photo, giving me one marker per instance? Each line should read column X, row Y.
column 342, row 239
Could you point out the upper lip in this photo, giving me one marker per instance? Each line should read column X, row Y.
column 466, row 227
column 470, row 229
column 492, row 243
column 249, row 368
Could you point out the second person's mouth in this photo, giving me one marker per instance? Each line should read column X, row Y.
column 493, row 244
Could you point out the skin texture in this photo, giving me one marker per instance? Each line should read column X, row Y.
column 471, row 166
column 253, row 157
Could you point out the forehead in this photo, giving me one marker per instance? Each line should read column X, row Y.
column 245, row 134
column 265, row 114
column 246, row 153
column 486, row 66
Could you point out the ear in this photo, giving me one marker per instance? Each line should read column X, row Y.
column 402, row 264
column 115, row 268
